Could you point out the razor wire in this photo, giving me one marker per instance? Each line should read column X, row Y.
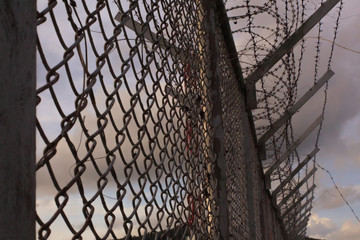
column 260, row 27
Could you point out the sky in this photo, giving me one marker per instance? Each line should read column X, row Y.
column 340, row 138
column 339, row 144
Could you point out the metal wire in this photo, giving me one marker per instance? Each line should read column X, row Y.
column 124, row 112
column 262, row 27
column 127, row 136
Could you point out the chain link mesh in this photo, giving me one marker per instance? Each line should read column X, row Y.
column 123, row 121
column 124, row 147
column 234, row 140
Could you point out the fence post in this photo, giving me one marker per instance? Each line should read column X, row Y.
column 17, row 119
column 216, row 122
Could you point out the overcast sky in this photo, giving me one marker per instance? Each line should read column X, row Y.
column 340, row 138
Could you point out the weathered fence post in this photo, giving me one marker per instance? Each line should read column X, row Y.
column 216, row 122
column 17, row 119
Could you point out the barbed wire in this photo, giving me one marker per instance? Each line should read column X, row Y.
column 336, row 44
column 338, row 190
column 277, row 90
column 125, row 91
column 327, row 85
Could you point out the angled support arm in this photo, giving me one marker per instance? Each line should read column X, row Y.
column 144, row 30
column 296, row 170
column 294, row 145
column 299, row 201
column 290, row 112
column 298, row 186
column 284, row 48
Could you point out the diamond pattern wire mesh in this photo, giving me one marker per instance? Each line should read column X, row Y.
column 262, row 26
column 234, row 152
column 126, row 134
column 124, row 143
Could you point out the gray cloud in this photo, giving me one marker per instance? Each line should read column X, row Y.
column 329, row 198
column 348, row 231
column 320, row 227
column 324, row 228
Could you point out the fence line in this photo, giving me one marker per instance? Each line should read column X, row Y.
column 144, row 129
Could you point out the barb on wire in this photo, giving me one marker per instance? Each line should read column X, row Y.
column 338, row 190
column 277, row 90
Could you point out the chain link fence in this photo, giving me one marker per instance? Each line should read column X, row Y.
column 124, row 135
column 132, row 99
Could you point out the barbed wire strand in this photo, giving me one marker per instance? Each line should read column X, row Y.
column 338, row 190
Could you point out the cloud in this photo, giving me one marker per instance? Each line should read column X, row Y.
column 319, row 227
column 348, row 231
column 325, row 228
column 329, row 198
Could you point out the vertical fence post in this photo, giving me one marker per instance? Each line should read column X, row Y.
column 17, row 119
column 213, row 75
